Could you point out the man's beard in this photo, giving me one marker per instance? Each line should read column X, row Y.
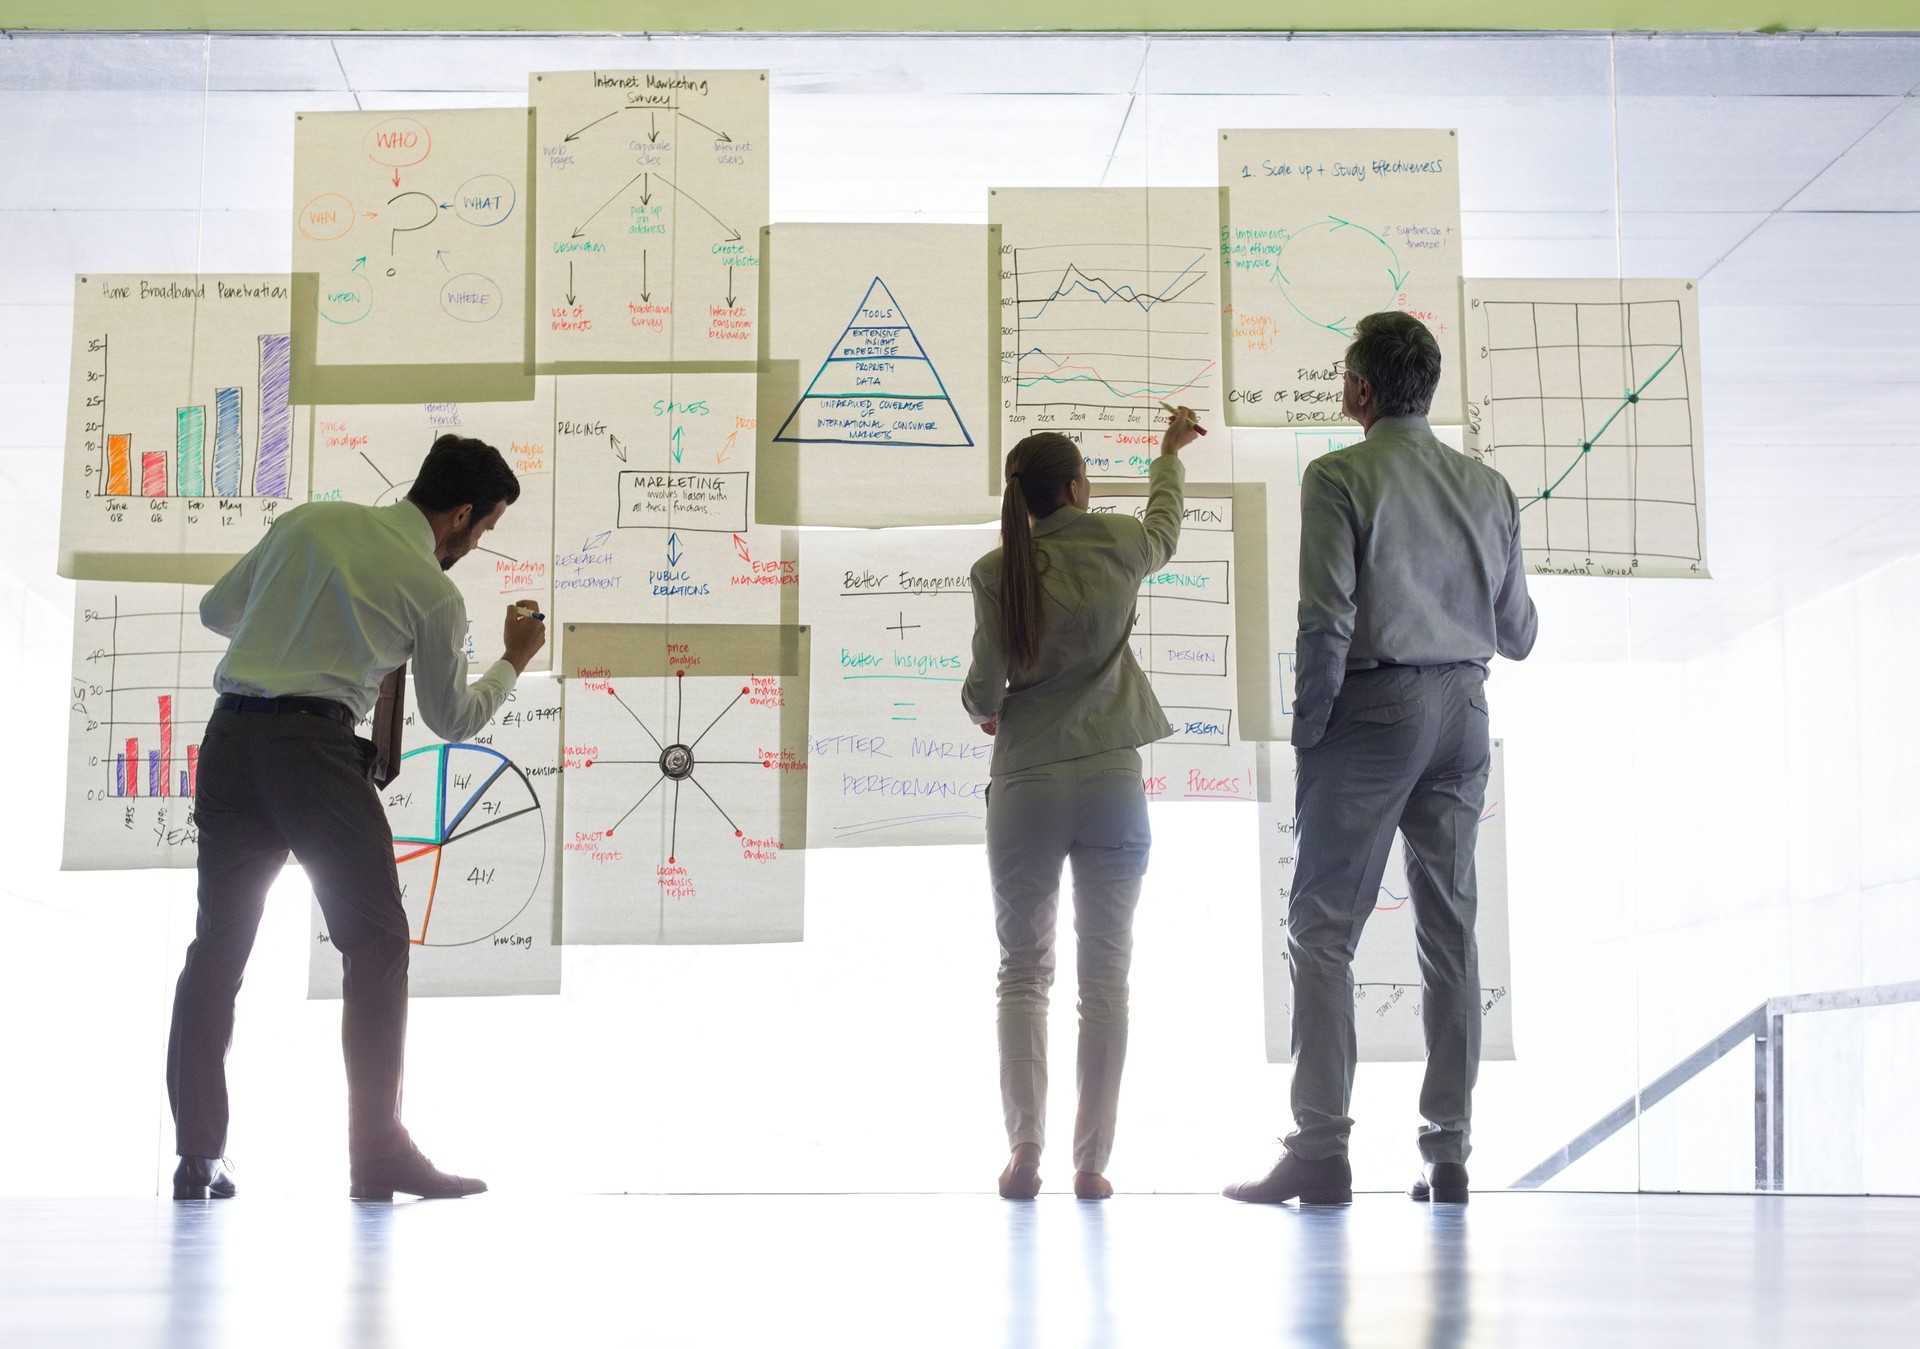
column 458, row 546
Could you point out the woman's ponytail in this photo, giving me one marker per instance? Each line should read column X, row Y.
column 1039, row 469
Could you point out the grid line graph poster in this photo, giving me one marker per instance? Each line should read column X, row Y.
column 1585, row 395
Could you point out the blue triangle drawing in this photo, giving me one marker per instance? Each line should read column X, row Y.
column 876, row 387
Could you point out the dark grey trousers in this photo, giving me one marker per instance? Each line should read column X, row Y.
column 1406, row 748
column 269, row 786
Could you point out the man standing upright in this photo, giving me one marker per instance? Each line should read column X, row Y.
column 1411, row 580
column 323, row 615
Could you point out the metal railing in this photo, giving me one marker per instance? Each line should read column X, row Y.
column 1765, row 1025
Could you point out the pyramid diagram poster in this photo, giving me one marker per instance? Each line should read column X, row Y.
column 874, row 408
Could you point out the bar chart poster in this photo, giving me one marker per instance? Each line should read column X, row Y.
column 182, row 444
column 142, row 691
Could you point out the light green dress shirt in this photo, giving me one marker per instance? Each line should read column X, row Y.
column 336, row 596
column 1086, row 694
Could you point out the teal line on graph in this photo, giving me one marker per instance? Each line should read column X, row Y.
column 1633, row 397
column 922, row 679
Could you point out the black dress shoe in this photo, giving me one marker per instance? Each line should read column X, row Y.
column 1311, row 1180
column 1440, row 1183
column 203, row 1178
column 409, row 1173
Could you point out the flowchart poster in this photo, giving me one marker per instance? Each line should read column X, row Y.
column 1323, row 228
column 141, row 694
column 895, row 759
column 652, row 197
column 685, row 802
column 410, row 255
column 1585, row 395
column 182, row 442
column 654, row 512
column 369, row 453
column 874, row 403
column 1109, row 307
column 1386, row 968
column 474, row 838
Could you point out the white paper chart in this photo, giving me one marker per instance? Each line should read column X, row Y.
column 1386, row 971
column 370, row 454
column 182, row 444
column 142, row 690
column 1586, row 396
column 653, row 192
column 654, row 507
column 894, row 758
column 475, row 832
column 674, row 825
column 1323, row 228
column 1110, row 306
column 886, row 332
column 414, row 228
column 1183, row 638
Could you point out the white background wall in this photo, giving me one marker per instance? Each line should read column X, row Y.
column 1711, row 788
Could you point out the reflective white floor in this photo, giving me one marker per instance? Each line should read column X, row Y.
column 1167, row 1270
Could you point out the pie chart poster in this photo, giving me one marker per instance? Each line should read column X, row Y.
column 473, row 842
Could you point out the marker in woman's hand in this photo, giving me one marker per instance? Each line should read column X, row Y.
column 1175, row 412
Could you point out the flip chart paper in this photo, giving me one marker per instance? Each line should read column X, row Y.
column 1322, row 228
column 1109, row 306
column 895, row 759
column 653, row 193
column 1386, row 971
column 182, row 444
column 874, row 398
column 475, row 836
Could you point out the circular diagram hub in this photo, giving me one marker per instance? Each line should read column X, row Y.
column 676, row 761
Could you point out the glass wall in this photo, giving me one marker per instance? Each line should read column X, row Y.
column 1710, row 781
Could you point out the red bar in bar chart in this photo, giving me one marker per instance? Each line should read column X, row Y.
column 166, row 743
column 133, row 767
column 153, row 474
column 193, row 770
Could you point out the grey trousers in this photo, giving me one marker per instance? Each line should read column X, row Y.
column 1092, row 812
column 1405, row 748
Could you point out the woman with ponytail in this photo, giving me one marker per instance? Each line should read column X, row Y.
column 1054, row 682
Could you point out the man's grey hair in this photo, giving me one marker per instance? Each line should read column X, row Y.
column 1396, row 354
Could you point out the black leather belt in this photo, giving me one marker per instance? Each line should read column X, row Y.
column 310, row 707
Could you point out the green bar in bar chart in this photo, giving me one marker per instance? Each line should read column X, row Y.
column 190, row 446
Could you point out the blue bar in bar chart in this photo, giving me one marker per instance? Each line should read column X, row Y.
column 273, row 449
column 228, row 450
column 153, row 772
column 119, row 775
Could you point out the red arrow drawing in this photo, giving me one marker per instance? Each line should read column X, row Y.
column 740, row 547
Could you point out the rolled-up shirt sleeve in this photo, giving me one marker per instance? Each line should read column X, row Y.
column 1516, row 623
column 985, row 690
column 452, row 708
column 1327, row 582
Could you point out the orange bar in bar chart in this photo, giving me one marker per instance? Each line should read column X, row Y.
column 119, row 466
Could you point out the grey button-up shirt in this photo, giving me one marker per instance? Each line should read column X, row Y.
column 1087, row 694
column 1409, row 555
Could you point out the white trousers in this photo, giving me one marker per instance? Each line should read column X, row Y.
column 1092, row 812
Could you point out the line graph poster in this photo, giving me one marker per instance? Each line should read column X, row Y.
column 182, row 442
column 654, row 507
column 894, row 758
column 1322, row 228
column 409, row 248
column 1109, row 306
column 874, row 405
column 142, row 690
column 1386, row 970
column 369, row 454
column 652, row 196
column 685, row 803
column 1586, row 396
column 1183, row 638
column 474, row 833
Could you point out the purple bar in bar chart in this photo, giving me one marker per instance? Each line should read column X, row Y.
column 154, row 780
column 274, row 448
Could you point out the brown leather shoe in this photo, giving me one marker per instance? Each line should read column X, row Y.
column 1091, row 1185
column 1021, row 1179
column 409, row 1173
column 1311, row 1180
